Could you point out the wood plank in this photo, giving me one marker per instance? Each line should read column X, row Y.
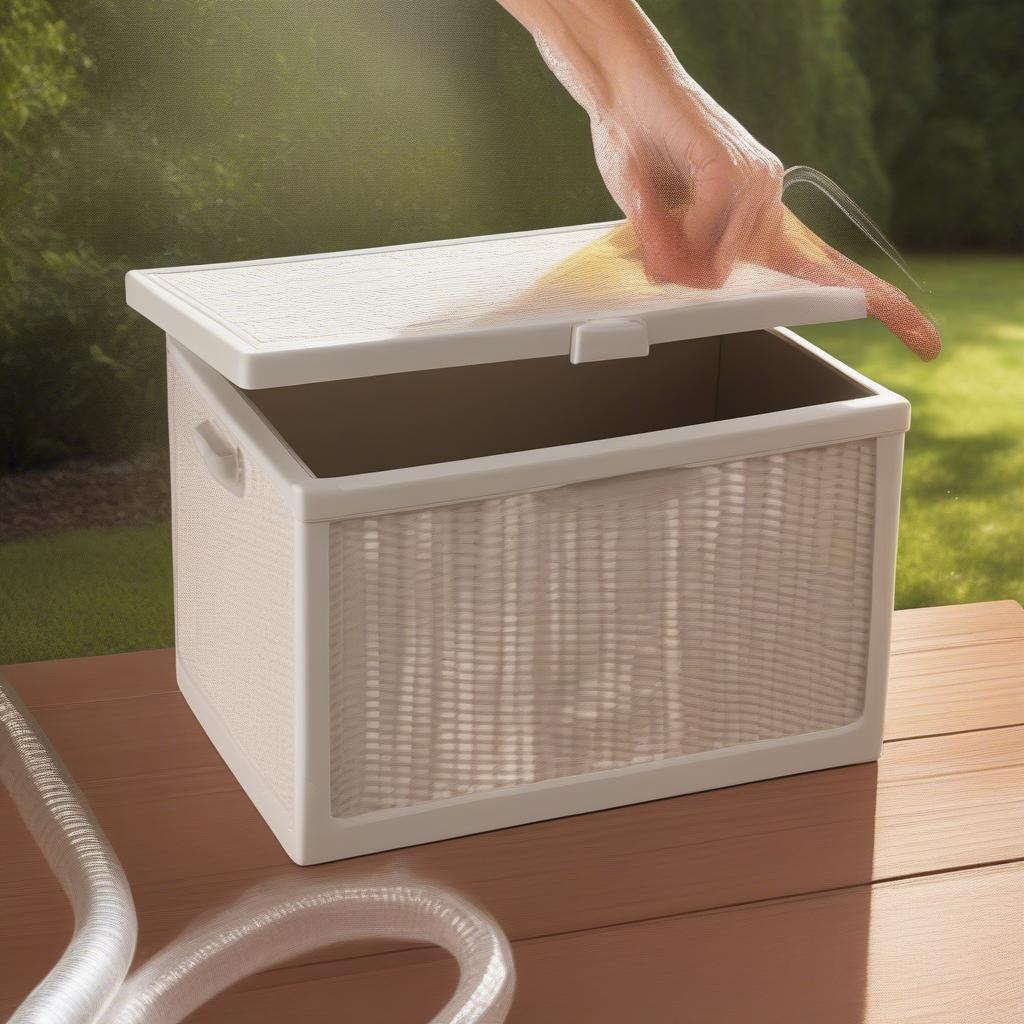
column 942, row 949
column 930, row 805
column 76, row 681
column 955, row 669
column 132, row 738
column 946, row 626
column 954, row 690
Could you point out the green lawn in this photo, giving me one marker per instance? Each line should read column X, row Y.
column 92, row 591
column 962, row 523
column 962, row 538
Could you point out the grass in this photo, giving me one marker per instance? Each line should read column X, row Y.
column 962, row 536
column 94, row 591
column 962, row 520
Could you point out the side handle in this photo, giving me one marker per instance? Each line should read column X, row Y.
column 223, row 458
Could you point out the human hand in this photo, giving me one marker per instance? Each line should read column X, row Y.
column 700, row 192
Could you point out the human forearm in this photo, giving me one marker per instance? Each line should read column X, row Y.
column 599, row 49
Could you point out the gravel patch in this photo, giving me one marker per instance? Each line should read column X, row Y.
column 85, row 492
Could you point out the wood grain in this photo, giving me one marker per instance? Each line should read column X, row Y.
column 77, row 681
column 948, row 800
column 799, row 834
column 946, row 949
column 955, row 669
column 955, row 625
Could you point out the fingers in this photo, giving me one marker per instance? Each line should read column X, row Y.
column 694, row 238
column 734, row 201
column 697, row 244
column 692, row 248
column 891, row 307
column 667, row 243
column 660, row 236
column 797, row 251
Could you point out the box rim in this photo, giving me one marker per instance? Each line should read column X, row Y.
column 314, row 499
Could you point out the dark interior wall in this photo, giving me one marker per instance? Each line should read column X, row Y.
column 369, row 424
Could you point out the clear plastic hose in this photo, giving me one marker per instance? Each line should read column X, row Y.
column 82, row 983
column 274, row 923
column 269, row 924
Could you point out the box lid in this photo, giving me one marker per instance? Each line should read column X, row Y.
column 578, row 290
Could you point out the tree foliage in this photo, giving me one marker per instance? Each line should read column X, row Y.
column 947, row 102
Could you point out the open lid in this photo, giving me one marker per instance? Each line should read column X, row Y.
column 579, row 292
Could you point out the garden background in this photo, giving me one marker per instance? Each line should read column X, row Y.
column 145, row 133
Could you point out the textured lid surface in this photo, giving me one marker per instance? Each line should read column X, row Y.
column 267, row 323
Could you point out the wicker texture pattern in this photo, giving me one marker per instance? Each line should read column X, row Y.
column 233, row 580
column 287, row 304
column 535, row 636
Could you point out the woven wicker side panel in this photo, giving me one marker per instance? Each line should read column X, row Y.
column 541, row 635
column 233, row 579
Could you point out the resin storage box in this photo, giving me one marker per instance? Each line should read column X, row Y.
column 475, row 533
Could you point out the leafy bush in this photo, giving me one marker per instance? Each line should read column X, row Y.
column 948, row 94
column 41, row 64
column 190, row 132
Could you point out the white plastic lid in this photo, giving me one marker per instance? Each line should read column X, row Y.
column 268, row 323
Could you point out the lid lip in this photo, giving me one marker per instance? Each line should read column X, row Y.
column 398, row 247
column 212, row 342
column 253, row 364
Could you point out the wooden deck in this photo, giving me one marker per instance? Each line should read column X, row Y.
column 875, row 893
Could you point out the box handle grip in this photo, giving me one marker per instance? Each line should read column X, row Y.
column 223, row 458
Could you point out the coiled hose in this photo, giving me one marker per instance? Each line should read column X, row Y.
column 277, row 921
column 83, row 982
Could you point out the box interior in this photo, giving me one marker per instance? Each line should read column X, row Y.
column 371, row 424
